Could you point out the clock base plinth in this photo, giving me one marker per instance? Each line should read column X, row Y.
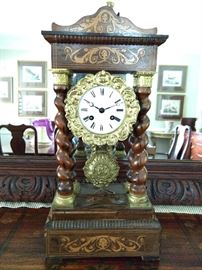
column 111, row 229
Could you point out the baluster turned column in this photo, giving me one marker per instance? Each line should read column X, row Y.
column 65, row 188
column 137, row 155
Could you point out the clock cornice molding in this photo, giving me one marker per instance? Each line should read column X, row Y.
column 103, row 39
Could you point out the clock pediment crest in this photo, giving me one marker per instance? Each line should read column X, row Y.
column 105, row 20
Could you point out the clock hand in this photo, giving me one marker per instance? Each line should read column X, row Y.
column 95, row 107
column 91, row 104
column 116, row 104
column 110, row 106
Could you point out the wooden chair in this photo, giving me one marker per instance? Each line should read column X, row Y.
column 17, row 142
column 181, row 144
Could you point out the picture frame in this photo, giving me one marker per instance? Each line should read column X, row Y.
column 32, row 74
column 169, row 107
column 32, row 103
column 6, row 89
column 172, row 78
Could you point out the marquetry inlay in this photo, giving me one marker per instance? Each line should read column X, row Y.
column 104, row 54
column 100, row 243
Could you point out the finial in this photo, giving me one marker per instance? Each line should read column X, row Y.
column 110, row 4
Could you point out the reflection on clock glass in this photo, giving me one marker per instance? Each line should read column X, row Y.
column 102, row 110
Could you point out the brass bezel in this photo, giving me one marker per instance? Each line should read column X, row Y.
column 90, row 81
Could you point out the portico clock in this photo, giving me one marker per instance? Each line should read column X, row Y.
column 101, row 207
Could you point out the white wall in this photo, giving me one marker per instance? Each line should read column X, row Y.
column 21, row 39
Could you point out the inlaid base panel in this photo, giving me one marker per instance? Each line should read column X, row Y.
column 102, row 238
column 109, row 230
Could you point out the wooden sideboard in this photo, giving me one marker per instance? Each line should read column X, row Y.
column 33, row 179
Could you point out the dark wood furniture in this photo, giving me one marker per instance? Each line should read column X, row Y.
column 22, row 244
column 189, row 121
column 18, row 143
column 119, row 220
column 33, row 179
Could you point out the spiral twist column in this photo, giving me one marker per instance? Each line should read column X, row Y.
column 137, row 156
column 65, row 188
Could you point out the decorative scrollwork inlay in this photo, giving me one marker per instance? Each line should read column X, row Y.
column 100, row 243
column 104, row 54
column 105, row 22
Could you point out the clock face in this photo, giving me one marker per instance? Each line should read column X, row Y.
column 101, row 109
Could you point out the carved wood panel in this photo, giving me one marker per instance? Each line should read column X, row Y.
column 15, row 188
column 33, row 179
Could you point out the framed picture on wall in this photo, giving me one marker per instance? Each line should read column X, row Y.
column 169, row 107
column 6, row 89
column 172, row 78
column 32, row 103
column 32, row 74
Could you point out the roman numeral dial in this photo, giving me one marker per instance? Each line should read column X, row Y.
column 101, row 110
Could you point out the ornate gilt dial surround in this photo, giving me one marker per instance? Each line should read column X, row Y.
column 90, row 81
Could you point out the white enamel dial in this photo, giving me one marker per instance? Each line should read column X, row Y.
column 101, row 110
